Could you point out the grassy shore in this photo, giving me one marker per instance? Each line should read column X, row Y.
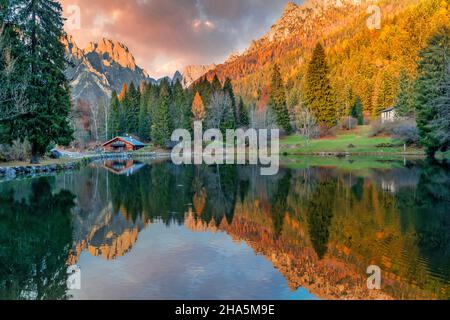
column 356, row 142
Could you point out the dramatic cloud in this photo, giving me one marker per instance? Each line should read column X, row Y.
column 165, row 35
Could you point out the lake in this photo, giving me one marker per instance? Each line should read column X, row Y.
column 153, row 230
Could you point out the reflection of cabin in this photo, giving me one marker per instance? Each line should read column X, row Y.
column 122, row 144
column 388, row 115
column 127, row 167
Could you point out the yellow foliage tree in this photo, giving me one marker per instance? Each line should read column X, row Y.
column 198, row 108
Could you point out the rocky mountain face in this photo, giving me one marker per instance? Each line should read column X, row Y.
column 100, row 68
column 104, row 66
column 194, row 72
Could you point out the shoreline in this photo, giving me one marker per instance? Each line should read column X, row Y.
column 15, row 170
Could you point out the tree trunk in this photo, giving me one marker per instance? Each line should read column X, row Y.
column 34, row 154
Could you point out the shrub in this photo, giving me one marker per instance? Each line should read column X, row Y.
column 17, row 151
column 406, row 131
column 348, row 123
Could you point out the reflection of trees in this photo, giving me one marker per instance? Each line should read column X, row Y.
column 35, row 239
column 425, row 209
column 279, row 202
column 319, row 214
column 220, row 183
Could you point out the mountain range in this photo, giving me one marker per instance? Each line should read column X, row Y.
column 104, row 66
column 363, row 61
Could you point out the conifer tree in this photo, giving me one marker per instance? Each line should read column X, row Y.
column 114, row 109
column 132, row 109
column 228, row 89
column 319, row 94
column 430, row 88
column 161, row 126
column 181, row 111
column 244, row 119
column 356, row 111
column 41, row 28
column 144, row 116
column 386, row 94
column 277, row 100
column 215, row 84
column 404, row 102
column 228, row 117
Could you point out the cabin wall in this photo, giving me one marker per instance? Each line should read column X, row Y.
column 109, row 148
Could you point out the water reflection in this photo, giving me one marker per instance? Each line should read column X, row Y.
column 319, row 226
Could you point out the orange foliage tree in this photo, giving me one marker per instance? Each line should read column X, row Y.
column 198, row 108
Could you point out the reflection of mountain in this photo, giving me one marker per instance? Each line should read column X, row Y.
column 331, row 227
column 113, row 236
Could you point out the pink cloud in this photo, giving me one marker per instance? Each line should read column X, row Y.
column 165, row 35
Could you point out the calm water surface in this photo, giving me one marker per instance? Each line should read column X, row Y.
column 153, row 230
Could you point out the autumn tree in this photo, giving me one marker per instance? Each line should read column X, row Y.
column 198, row 108
column 277, row 100
column 404, row 102
column 319, row 94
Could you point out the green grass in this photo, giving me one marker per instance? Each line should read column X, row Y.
column 360, row 139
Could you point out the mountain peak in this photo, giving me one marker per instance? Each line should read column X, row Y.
column 114, row 50
column 290, row 6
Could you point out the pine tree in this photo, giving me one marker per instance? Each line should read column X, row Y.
column 441, row 123
column 319, row 94
column 404, row 102
column 198, row 108
column 13, row 78
column 228, row 117
column 41, row 28
column 144, row 116
column 356, row 111
column 181, row 111
column 228, row 89
column 386, row 94
column 132, row 109
column 244, row 119
column 114, row 116
column 161, row 127
column 277, row 100
column 215, row 84
column 430, row 87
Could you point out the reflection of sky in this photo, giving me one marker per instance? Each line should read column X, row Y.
column 175, row 263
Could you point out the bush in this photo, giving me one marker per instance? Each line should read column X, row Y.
column 404, row 130
column 348, row 123
column 17, row 151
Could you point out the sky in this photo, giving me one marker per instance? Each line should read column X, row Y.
column 166, row 35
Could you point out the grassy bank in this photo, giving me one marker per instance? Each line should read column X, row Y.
column 356, row 142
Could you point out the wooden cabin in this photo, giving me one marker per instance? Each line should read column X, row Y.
column 122, row 144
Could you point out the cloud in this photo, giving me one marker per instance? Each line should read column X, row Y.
column 165, row 35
